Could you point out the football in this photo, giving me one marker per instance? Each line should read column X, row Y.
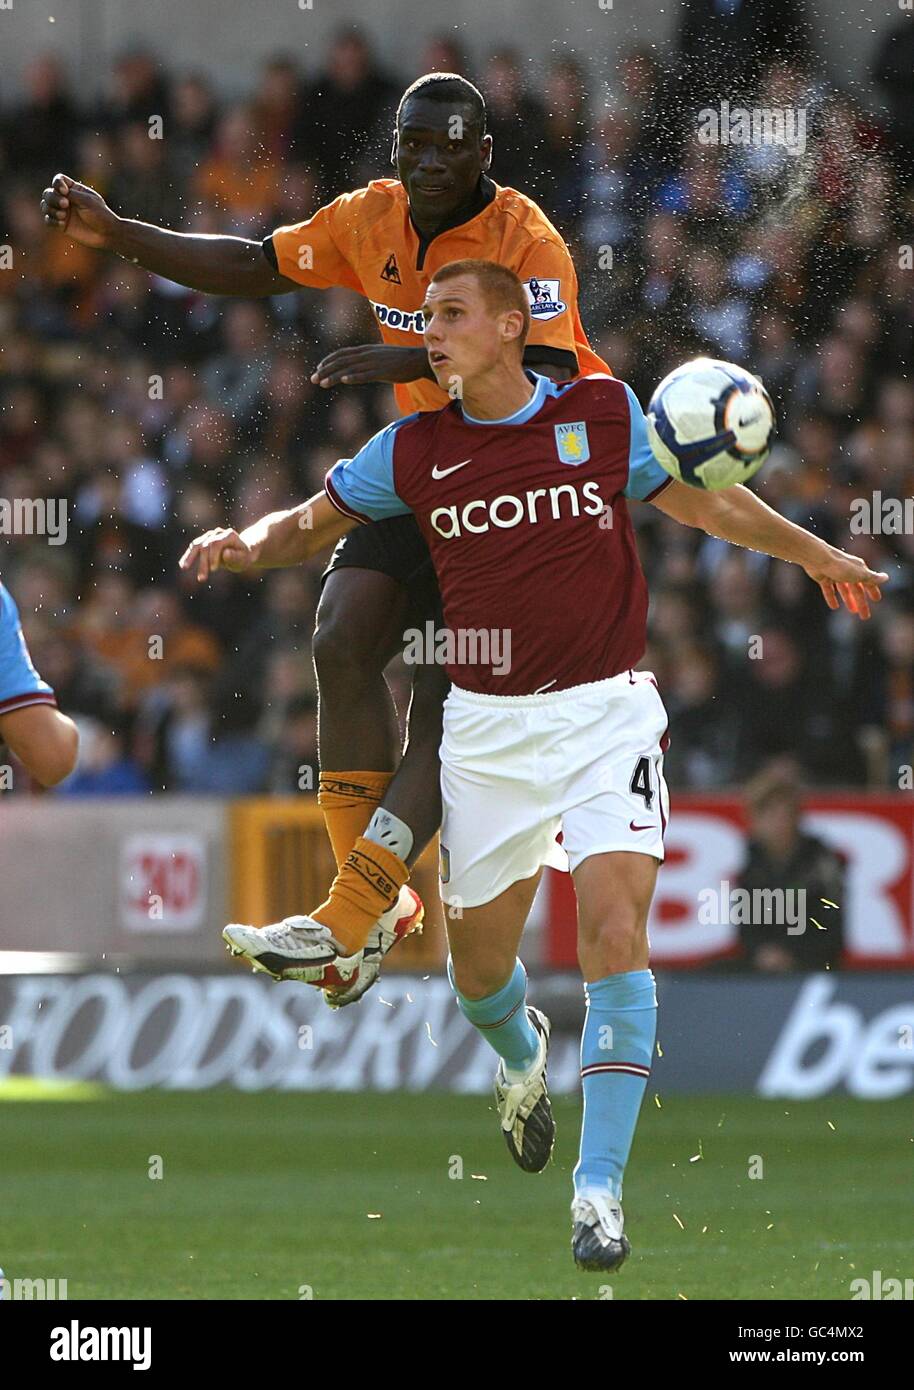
column 710, row 424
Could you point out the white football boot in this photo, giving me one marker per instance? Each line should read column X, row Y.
column 399, row 921
column 524, row 1107
column 597, row 1240
column 297, row 948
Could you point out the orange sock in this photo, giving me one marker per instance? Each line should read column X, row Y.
column 366, row 886
column 348, row 801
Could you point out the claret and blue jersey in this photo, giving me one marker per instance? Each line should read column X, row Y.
column 527, row 523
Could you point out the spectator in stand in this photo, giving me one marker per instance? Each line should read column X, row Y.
column 703, row 750
column 736, row 602
column 241, row 179
column 144, row 184
column 703, row 188
column 647, row 97
column 718, row 316
column 610, row 201
column 280, row 106
column 348, row 116
column 107, row 539
column 105, row 767
column 515, row 120
column 786, row 709
column 236, row 379
column 295, row 760
column 445, row 53
column 774, row 355
column 148, row 637
column 833, row 383
column 561, row 173
column 884, row 691
column 138, row 89
column 892, row 70
column 176, row 727
column 192, row 126
column 43, row 129
column 724, row 44
column 783, row 859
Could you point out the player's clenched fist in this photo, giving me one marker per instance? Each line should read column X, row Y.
column 221, row 548
column 79, row 211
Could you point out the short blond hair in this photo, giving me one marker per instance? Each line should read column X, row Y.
column 500, row 287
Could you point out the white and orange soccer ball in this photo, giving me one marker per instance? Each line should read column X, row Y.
column 710, row 424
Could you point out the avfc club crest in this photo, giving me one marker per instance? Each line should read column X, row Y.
column 571, row 442
column 545, row 299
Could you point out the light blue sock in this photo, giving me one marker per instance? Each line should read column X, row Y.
column 617, row 1048
column 502, row 1019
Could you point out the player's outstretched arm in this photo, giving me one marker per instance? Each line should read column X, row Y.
column 736, row 514
column 211, row 264
column 274, row 542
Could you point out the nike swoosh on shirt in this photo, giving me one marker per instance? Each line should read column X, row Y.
column 443, row 472
column 633, row 826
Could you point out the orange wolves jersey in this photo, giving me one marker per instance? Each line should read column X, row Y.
column 365, row 241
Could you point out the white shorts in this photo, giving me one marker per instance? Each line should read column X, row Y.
column 517, row 769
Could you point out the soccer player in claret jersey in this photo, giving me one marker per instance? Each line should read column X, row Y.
column 521, row 490
column 385, row 242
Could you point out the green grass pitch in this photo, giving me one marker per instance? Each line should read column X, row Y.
column 270, row 1195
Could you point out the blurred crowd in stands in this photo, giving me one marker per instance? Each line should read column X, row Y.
column 157, row 412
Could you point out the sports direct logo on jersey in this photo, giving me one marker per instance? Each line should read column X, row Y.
column 545, row 298
column 406, row 320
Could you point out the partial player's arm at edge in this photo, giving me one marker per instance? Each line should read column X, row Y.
column 44, row 739
column 737, row 515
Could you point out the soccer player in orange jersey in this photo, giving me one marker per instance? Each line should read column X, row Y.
column 385, row 242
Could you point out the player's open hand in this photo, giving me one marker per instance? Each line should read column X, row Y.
column 847, row 579
column 79, row 211
column 356, row 366
column 221, row 548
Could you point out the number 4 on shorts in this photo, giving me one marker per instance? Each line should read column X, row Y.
column 640, row 785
